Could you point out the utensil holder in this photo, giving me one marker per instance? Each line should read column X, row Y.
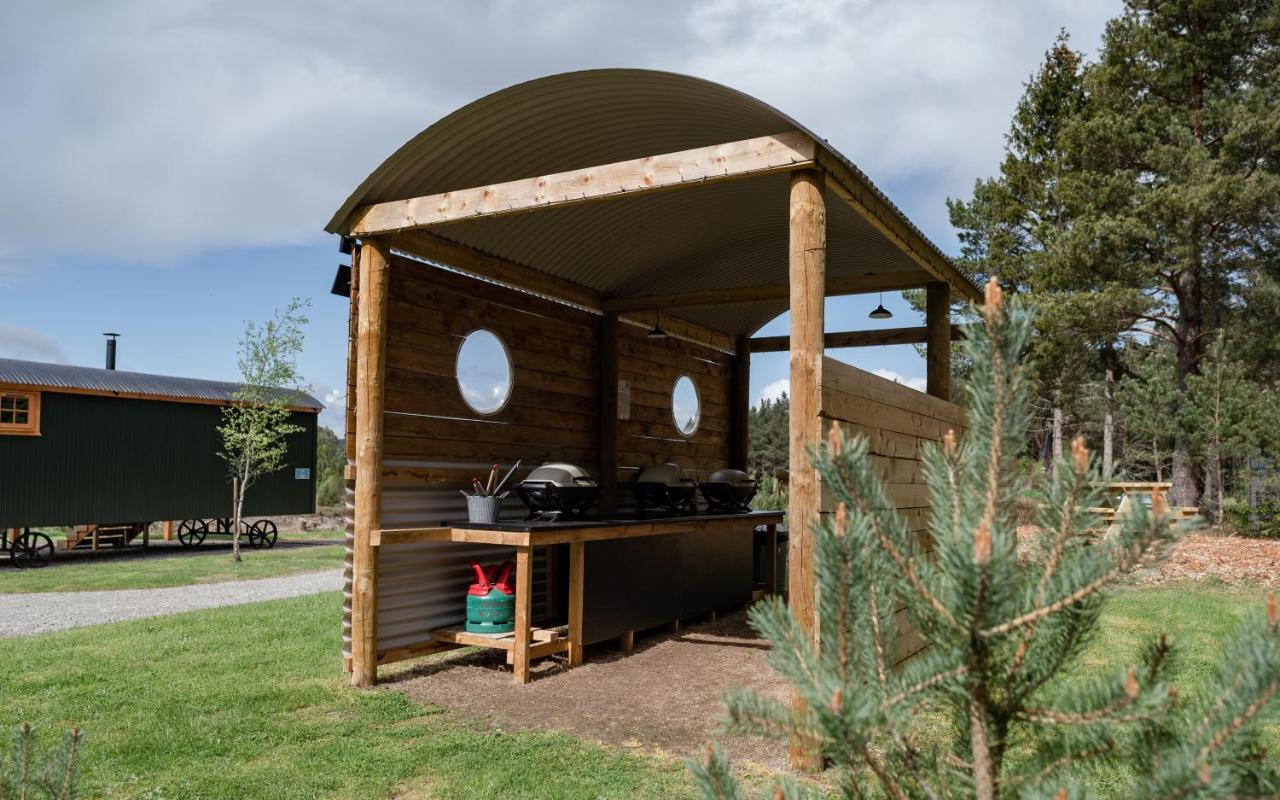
column 483, row 509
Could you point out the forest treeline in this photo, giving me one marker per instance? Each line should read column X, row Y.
column 1137, row 213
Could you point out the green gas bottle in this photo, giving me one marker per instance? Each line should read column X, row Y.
column 491, row 600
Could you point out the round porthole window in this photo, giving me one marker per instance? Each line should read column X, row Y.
column 685, row 406
column 484, row 372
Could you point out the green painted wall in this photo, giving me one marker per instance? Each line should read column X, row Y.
column 112, row 460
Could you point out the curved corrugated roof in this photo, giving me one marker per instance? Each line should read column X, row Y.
column 41, row 375
column 717, row 235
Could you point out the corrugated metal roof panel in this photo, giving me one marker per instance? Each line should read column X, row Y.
column 718, row 235
column 39, row 374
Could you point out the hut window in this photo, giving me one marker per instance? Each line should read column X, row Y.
column 686, row 409
column 484, row 372
column 20, row 413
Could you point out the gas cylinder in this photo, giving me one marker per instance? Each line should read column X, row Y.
column 491, row 600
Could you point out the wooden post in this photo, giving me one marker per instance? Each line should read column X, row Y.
column 608, row 414
column 938, row 353
column 740, row 405
column 168, row 530
column 771, row 568
column 808, row 264
column 375, row 264
column 524, row 599
column 576, row 575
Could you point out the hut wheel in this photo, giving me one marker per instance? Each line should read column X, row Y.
column 263, row 534
column 192, row 532
column 31, row 550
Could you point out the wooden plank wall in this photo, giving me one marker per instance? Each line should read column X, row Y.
column 434, row 443
column 897, row 422
column 650, row 368
column 551, row 413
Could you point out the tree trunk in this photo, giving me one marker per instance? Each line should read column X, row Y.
column 236, row 492
column 1155, row 457
column 1108, row 425
column 1189, row 345
column 1057, row 438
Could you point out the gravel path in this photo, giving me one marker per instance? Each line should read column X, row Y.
column 41, row 612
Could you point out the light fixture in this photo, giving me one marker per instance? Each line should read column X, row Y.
column 657, row 332
column 880, row 312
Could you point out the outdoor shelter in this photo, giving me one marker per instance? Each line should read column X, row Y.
column 571, row 214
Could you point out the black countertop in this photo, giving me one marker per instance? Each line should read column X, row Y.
column 574, row 522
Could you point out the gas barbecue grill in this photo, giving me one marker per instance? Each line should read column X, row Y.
column 558, row 489
column 665, row 488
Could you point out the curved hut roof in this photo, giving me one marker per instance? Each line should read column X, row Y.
column 704, row 236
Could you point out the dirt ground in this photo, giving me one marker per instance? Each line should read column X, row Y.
column 1229, row 559
column 663, row 699
column 1211, row 555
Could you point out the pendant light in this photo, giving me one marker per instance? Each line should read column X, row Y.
column 657, row 332
column 880, row 312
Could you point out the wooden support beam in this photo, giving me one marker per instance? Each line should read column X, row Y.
column 524, row 601
column 740, row 406
column 375, row 264
column 577, row 583
column 760, row 156
column 679, row 328
column 608, row 445
column 835, row 287
column 831, row 341
column 854, row 190
column 473, row 262
column 940, row 335
column 807, row 265
column 469, row 261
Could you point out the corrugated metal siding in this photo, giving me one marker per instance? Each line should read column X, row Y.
column 105, row 460
column 713, row 236
column 67, row 376
column 422, row 587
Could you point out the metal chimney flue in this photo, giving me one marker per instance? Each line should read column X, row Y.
column 111, row 349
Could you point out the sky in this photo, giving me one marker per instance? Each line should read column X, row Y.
column 168, row 165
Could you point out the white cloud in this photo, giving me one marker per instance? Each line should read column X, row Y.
column 334, row 415
column 774, row 390
column 29, row 345
column 919, row 384
column 163, row 129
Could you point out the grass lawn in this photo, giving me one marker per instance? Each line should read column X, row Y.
column 177, row 569
column 302, row 536
column 249, row 702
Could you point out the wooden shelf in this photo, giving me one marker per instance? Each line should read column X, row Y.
column 496, row 641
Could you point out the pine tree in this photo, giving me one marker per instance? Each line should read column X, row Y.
column 1230, row 416
column 1176, row 185
column 26, row 774
column 769, row 434
column 1147, row 410
column 1000, row 632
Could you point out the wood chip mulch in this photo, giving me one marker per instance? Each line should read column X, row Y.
column 1210, row 555
column 1229, row 559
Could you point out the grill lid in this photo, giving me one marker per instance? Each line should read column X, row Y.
column 733, row 477
column 668, row 474
column 559, row 474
